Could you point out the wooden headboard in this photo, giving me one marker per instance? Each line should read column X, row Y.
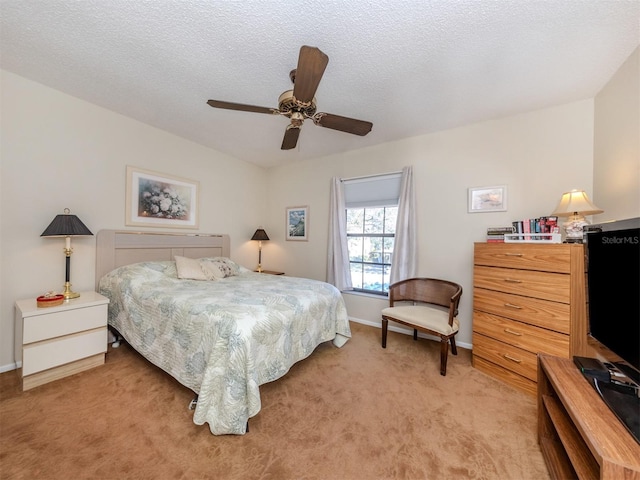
column 119, row 247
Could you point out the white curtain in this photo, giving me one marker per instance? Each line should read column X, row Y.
column 404, row 260
column 338, row 272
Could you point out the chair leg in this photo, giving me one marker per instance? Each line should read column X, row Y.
column 454, row 350
column 444, row 351
column 385, row 325
column 415, row 334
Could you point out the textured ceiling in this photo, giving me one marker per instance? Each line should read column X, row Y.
column 409, row 66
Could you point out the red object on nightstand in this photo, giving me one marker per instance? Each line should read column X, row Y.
column 44, row 301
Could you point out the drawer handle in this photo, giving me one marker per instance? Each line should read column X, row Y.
column 512, row 280
column 513, row 254
column 511, row 305
column 508, row 357
column 517, row 334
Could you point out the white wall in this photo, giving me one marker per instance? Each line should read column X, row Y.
column 616, row 186
column 538, row 155
column 58, row 151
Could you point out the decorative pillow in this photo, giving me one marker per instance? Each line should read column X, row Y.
column 215, row 269
column 219, row 267
column 189, row 268
column 212, row 269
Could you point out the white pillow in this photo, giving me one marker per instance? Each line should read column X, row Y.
column 216, row 268
column 189, row 268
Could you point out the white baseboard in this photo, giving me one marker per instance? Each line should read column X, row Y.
column 406, row 331
column 9, row 367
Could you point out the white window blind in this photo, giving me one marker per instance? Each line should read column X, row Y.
column 373, row 191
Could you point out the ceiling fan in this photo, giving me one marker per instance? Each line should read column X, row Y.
column 299, row 103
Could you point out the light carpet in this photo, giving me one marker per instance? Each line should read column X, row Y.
column 359, row 412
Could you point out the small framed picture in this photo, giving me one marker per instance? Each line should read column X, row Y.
column 297, row 223
column 487, row 199
column 158, row 200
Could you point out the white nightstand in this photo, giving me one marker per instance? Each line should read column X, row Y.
column 55, row 342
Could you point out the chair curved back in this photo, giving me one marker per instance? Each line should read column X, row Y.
column 433, row 291
column 427, row 290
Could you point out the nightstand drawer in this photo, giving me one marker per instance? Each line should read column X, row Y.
column 41, row 327
column 521, row 335
column 554, row 287
column 545, row 314
column 52, row 353
column 545, row 258
column 512, row 358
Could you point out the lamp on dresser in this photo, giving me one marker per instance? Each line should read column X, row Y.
column 575, row 205
column 67, row 225
column 260, row 236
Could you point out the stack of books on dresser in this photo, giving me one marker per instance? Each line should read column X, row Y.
column 496, row 234
column 537, row 225
column 543, row 229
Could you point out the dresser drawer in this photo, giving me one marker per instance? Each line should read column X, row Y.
column 542, row 313
column 51, row 325
column 555, row 287
column 546, row 258
column 521, row 335
column 51, row 353
column 512, row 358
column 507, row 376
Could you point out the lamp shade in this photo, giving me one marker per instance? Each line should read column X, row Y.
column 65, row 225
column 260, row 235
column 576, row 202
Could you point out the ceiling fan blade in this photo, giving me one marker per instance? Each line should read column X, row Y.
column 344, row 124
column 311, row 65
column 290, row 139
column 241, row 107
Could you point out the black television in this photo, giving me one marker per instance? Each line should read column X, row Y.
column 612, row 251
column 612, row 255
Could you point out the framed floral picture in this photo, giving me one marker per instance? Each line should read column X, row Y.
column 158, row 200
column 297, row 223
column 487, row 199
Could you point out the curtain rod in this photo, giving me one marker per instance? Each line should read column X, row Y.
column 371, row 176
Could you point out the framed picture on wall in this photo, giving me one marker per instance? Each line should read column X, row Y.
column 487, row 199
column 158, row 200
column 297, row 223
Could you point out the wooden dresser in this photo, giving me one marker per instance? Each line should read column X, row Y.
column 527, row 299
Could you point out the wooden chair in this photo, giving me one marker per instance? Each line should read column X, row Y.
column 426, row 304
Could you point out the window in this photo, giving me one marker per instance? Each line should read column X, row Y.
column 370, row 239
column 372, row 211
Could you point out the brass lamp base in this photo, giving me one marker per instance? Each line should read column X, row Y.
column 68, row 294
column 259, row 269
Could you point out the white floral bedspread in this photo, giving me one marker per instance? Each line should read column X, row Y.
column 223, row 339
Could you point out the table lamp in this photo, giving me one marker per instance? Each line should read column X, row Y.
column 260, row 235
column 575, row 205
column 67, row 225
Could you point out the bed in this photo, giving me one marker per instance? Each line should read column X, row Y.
column 222, row 336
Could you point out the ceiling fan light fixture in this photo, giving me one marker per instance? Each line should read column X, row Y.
column 297, row 119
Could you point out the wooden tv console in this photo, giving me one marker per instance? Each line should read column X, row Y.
column 578, row 435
